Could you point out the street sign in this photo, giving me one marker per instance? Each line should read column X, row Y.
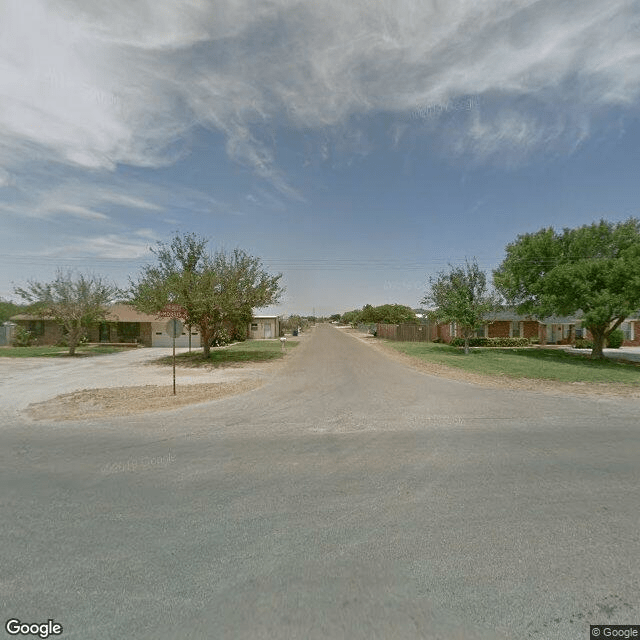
column 174, row 328
column 171, row 310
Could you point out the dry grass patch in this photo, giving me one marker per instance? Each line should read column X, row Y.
column 119, row 401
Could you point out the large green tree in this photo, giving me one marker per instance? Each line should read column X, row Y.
column 215, row 292
column 387, row 314
column 461, row 295
column 592, row 271
column 74, row 301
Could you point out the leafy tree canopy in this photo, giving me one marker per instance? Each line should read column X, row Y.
column 73, row 300
column 461, row 296
column 216, row 292
column 386, row 314
column 593, row 270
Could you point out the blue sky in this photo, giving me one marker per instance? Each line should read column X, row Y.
column 356, row 147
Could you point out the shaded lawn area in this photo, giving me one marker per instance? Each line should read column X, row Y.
column 241, row 352
column 542, row 364
column 58, row 352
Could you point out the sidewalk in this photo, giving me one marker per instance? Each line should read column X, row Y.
column 632, row 354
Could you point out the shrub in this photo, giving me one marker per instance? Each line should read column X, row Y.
column 583, row 343
column 491, row 342
column 221, row 339
column 22, row 337
column 615, row 339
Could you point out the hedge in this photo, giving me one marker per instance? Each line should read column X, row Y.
column 492, row 342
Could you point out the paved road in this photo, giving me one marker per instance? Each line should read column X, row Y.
column 350, row 498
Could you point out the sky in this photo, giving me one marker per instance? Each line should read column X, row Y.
column 358, row 148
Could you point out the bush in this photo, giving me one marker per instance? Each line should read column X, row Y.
column 221, row 339
column 491, row 342
column 22, row 337
column 583, row 343
column 615, row 339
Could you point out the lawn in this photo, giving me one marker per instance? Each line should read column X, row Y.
column 57, row 352
column 541, row 364
column 248, row 351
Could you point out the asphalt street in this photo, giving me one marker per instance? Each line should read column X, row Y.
column 351, row 497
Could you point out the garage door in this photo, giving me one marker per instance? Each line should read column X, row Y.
column 159, row 338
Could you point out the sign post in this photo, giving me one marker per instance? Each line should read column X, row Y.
column 174, row 329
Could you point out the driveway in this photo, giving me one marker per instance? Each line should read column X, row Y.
column 622, row 353
column 27, row 380
column 352, row 497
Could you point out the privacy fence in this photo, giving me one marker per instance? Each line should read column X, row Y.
column 407, row 332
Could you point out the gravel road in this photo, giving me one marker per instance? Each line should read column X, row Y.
column 350, row 497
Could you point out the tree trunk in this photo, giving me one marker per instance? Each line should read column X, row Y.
column 205, row 338
column 598, row 342
column 74, row 338
column 466, row 345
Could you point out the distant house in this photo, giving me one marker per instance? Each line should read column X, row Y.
column 263, row 327
column 124, row 324
column 551, row 330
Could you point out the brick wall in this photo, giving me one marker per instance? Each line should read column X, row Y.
column 499, row 329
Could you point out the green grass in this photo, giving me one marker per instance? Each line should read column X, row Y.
column 56, row 352
column 540, row 364
column 248, row 351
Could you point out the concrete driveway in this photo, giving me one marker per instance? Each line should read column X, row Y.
column 623, row 353
column 350, row 498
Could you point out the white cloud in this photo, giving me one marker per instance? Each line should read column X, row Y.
column 99, row 84
column 110, row 246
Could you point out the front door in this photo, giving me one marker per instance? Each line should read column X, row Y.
column 267, row 330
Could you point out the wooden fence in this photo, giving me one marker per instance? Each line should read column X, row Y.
column 407, row 332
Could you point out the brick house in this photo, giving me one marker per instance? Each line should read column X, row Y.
column 551, row 330
column 124, row 324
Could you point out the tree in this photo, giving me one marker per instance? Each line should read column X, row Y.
column 387, row 314
column 217, row 292
column 351, row 317
column 460, row 295
column 8, row 309
column 74, row 301
column 593, row 270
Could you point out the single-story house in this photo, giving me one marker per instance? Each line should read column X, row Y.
column 124, row 324
column 263, row 327
column 551, row 330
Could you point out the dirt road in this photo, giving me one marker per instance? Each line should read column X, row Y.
column 351, row 497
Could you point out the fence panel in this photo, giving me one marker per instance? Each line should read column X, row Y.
column 406, row 332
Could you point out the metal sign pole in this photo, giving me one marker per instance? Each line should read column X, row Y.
column 174, row 329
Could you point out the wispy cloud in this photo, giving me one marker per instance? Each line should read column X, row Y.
column 110, row 246
column 97, row 85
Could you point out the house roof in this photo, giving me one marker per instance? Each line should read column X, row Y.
column 116, row 313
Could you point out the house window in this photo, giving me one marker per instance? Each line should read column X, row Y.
column 515, row 329
column 128, row 331
column 254, row 326
column 36, row 327
column 627, row 329
column 452, row 329
column 479, row 332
